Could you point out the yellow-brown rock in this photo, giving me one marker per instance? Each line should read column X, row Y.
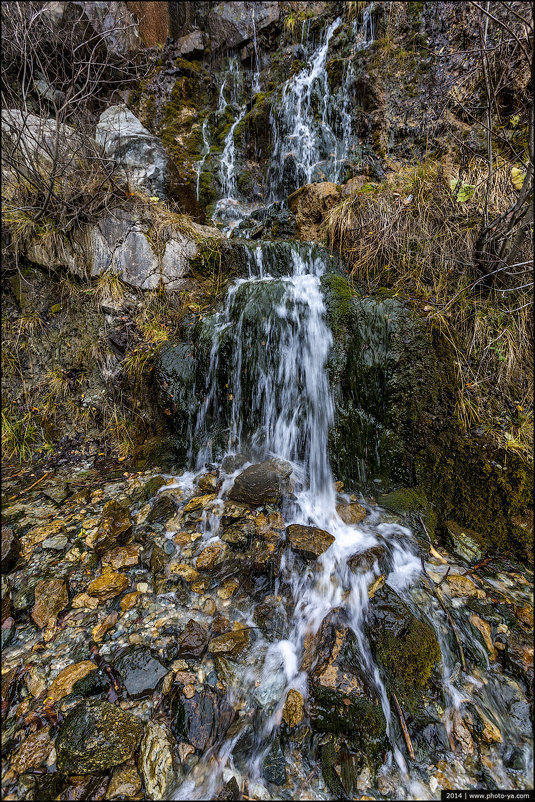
column 310, row 204
column 63, row 683
column 293, row 710
column 184, row 570
column 50, row 597
column 351, row 513
column 122, row 556
column 199, row 502
column 108, row 585
column 462, row 586
column 228, row 588
column 104, row 626
column 130, row 600
column 231, row 643
column 211, row 556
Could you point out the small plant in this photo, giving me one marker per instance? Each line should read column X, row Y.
column 20, row 434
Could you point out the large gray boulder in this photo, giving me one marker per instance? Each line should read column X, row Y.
column 34, row 140
column 231, row 24
column 111, row 22
column 141, row 154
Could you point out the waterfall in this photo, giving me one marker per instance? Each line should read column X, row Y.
column 205, row 150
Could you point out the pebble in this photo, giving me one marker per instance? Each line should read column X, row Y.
column 108, row 585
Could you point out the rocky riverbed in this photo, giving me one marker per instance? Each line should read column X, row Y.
column 141, row 618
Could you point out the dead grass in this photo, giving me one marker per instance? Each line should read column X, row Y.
column 410, row 232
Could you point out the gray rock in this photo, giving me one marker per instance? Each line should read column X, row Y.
column 264, row 483
column 10, row 549
column 142, row 155
column 274, row 767
column 96, row 736
column 139, row 670
column 157, row 762
column 231, row 24
column 192, row 44
column 57, row 543
column 113, row 20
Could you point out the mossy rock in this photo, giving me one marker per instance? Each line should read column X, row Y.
column 405, row 647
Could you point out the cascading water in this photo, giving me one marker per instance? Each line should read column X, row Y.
column 267, row 395
column 205, row 150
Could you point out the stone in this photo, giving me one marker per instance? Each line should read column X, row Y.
column 263, row 483
column 351, row 513
column 308, row 541
column 274, row 765
column 184, row 570
column 464, row 542
column 148, row 490
column 376, row 585
column 342, row 699
column 66, row 679
column 228, row 588
column 157, row 762
column 84, row 600
column 50, row 598
column 139, row 670
column 231, row 24
column 485, row 629
column 56, row 543
column 200, row 720
column 93, row 787
column 130, row 600
column 230, row 643
column 10, row 549
column 233, row 462
column 122, row 556
column 198, row 503
column 162, row 510
column 6, row 598
column 405, row 647
column 37, row 534
column 123, row 138
column 125, row 783
column 293, row 710
column 108, row 585
column 208, row 482
column 463, row 587
column 98, row 631
column 35, row 681
column 33, row 751
column 365, row 560
column 188, row 691
column 311, row 204
column 114, row 526
column 230, row 791
column 158, row 560
column 524, row 615
column 96, row 736
column 270, row 618
column 193, row 640
column 211, row 557
column 191, row 45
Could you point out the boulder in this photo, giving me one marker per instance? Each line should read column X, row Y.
column 405, row 647
column 344, row 699
column 96, row 736
column 310, row 204
column 50, row 598
column 231, row 24
column 123, row 138
column 351, row 513
column 264, row 483
column 112, row 23
column 191, row 45
column 139, row 670
column 308, row 541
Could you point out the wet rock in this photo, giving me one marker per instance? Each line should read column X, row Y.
column 461, row 733
column 162, row 509
column 525, row 615
column 231, row 24
column 34, row 749
column 96, row 736
column 228, row 588
column 93, row 683
column 50, row 598
column 6, row 598
column 56, row 543
column 463, row 542
column 264, row 483
column 108, row 585
column 158, row 560
column 193, row 640
column 84, row 788
column 270, row 618
column 351, row 513
column 293, row 711
column 266, row 556
column 48, row 787
column 139, row 670
column 237, row 524
column 230, row 643
column 220, row 624
column 484, row 628
column 308, row 541
column 147, row 491
column 24, row 598
column 156, row 761
column 365, row 560
column 184, row 570
column 130, row 600
column 233, row 462
column 10, row 549
column 122, row 556
column 405, row 647
column 343, row 698
column 198, row 503
column 115, row 524
column 84, row 600
column 104, row 626
column 463, row 587
column 68, row 677
column 211, row 556
column 208, row 482
column 125, row 782
column 200, row 720
column 274, row 765
column 230, row 791
column 37, row 534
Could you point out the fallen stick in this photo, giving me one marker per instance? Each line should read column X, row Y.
column 30, row 487
column 404, row 727
column 436, row 592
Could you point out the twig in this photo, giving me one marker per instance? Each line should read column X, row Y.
column 486, row 561
column 426, row 533
column 404, row 727
column 30, row 487
column 437, row 594
column 444, row 577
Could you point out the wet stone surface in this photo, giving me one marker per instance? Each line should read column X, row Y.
column 122, row 669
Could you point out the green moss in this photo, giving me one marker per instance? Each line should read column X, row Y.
column 408, row 660
column 358, row 718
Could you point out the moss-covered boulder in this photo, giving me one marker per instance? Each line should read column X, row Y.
column 405, row 647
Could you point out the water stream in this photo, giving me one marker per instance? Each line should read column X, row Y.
column 269, row 348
